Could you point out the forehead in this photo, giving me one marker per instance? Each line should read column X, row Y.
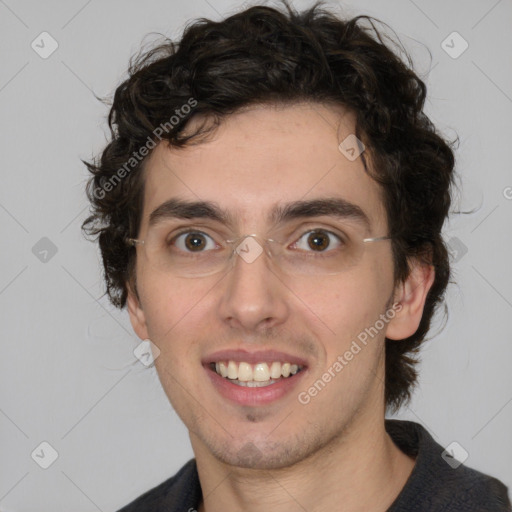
column 263, row 157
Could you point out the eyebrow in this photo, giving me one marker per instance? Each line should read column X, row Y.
column 333, row 207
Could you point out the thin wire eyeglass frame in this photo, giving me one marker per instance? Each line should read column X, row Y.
column 235, row 242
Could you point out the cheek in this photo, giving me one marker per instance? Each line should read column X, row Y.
column 348, row 307
column 175, row 314
column 171, row 307
column 347, row 303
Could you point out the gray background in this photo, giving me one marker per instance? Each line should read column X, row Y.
column 68, row 373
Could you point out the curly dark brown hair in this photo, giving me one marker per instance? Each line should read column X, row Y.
column 266, row 55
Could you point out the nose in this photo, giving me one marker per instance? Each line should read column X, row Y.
column 254, row 296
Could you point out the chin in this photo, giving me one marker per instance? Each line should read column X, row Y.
column 262, row 454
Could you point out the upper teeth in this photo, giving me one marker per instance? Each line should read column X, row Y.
column 259, row 372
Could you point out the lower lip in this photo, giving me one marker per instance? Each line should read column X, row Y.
column 243, row 395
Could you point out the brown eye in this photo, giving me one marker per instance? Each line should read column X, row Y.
column 193, row 241
column 318, row 240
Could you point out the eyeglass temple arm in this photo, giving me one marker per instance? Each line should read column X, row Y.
column 134, row 241
column 377, row 239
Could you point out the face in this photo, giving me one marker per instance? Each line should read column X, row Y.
column 252, row 312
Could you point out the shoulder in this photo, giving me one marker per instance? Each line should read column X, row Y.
column 180, row 492
column 438, row 483
column 465, row 488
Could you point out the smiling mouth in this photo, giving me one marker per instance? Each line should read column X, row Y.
column 255, row 375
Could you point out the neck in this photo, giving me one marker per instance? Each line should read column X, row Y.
column 360, row 470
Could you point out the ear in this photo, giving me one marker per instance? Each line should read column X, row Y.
column 411, row 295
column 137, row 317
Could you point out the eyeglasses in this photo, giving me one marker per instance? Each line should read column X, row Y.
column 193, row 252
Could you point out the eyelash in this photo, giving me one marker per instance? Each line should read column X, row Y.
column 187, row 231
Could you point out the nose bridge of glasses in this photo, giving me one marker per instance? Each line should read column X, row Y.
column 250, row 246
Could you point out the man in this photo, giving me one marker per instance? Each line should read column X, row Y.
column 270, row 210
